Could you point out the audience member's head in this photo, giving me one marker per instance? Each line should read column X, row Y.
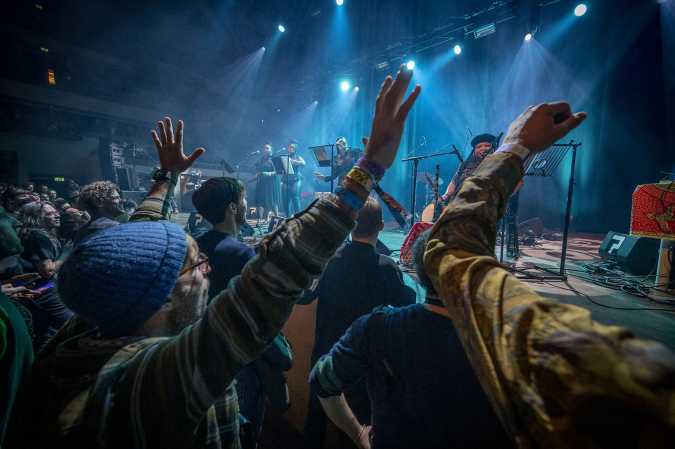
column 60, row 204
column 221, row 200
column 71, row 221
column 139, row 278
column 267, row 149
column 14, row 199
column 100, row 199
column 418, row 249
column 369, row 221
column 43, row 189
column 28, row 185
column 52, row 195
column 44, row 197
column 36, row 215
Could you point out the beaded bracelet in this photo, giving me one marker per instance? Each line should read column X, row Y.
column 361, row 177
column 350, row 198
column 371, row 167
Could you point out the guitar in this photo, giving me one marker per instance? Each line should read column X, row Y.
column 433, row 210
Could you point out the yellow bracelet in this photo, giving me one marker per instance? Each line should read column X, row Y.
column 361, row 177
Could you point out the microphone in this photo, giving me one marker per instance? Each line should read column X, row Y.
column 456, row 152
column 253, row 153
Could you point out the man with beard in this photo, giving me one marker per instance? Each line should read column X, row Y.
column 101, row 199
column 222, row 202
column 483, row 145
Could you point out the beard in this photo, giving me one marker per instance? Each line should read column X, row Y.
column 189, row 305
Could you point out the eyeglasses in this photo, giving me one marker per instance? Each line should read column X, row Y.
column 202, row 264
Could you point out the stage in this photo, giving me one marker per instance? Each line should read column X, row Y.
column 608, row 306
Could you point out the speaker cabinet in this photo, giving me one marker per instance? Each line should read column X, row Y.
column 636, row 255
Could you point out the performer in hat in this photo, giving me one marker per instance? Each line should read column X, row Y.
column 483, row 145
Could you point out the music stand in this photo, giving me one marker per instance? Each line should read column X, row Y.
column 324, row 155
column 544, row 164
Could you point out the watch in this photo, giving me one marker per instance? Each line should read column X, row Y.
column 161, row 175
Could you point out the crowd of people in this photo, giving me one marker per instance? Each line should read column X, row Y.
column 119, row 329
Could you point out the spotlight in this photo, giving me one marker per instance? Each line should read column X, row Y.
column 316, row 101
column 356, row 88
column 281, row 28
column 339, row 2
column 580, row 10
column 457, row 49
column 345, row 85
column 263, row 48
column 528, row 37
column 410, row 64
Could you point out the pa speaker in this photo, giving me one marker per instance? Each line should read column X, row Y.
column 637, row 255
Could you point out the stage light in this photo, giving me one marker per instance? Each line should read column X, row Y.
column 580, row 10
column 281, row 28
column 345, row 85
column 457, row 49
column 356, row 88
column 410, row 64
column 528, row 37
column 263, row 48
column 339, row 2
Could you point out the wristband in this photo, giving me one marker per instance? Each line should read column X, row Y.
column 349, row 198
column 361, row 177
column 372, row 167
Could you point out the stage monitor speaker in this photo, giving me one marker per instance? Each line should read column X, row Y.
column 636, row 255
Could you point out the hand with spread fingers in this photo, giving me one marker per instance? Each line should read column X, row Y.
column 390, row 114
column 542, row 125
column 170, row 146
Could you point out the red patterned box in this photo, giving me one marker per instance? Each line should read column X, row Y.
column 653, row 211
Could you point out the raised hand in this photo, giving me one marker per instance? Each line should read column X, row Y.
column 390, row 114
column 170, row 146
column 541, row 126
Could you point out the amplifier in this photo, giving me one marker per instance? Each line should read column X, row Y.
column 637, row 255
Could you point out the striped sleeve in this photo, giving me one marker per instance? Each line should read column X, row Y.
column 177, row 382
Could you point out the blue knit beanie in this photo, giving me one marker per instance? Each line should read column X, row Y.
column 119, row 277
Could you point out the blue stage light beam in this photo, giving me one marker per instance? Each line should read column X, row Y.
column 528, row 37
column 457, row 49
column 345, row 85
column 580, row 9
column 281, row 28
column 410, row 64
column 339, row 2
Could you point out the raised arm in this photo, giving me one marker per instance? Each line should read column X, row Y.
column 172, row 162
column 177, row 382
column 548, row 368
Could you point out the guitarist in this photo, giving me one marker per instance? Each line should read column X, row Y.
column 483, row 145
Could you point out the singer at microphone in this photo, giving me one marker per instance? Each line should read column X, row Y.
column 482, row 146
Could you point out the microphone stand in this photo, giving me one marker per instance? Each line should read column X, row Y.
column 416, row 161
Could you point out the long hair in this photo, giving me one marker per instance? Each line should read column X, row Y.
column 31, row 217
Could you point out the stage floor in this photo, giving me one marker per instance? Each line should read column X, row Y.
column 608, row 306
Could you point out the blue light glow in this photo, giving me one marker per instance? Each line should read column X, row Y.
column 528, row 37
column 281, row 28
column 457, row 49
column 345, row 85
column 339, row 2
column 410, row 64
column 580, row 10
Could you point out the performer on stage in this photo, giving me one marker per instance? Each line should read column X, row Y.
column 483, row 145
column 291, row 185
column 344, row 160
column 267, row 192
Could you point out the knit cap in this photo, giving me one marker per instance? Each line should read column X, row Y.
column 119, row 277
